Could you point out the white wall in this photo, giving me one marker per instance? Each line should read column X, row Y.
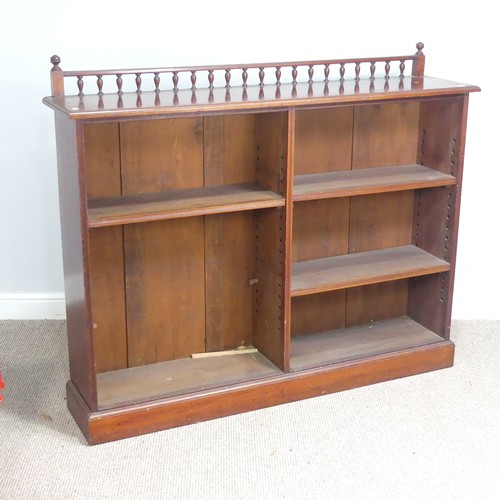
column 100, row 34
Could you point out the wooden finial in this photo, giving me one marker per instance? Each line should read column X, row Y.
column 419, row 46
column 56, row 77
column 55, row 60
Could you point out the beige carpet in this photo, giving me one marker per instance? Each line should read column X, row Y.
column 433, row 436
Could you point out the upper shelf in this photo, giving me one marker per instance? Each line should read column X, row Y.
column 179, row 203
column 367, row 181
column 363, row 268
column 252, row 97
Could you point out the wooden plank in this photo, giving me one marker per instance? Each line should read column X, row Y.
column 229, row 273
column 229, row 149
column 180, row 203
column 323, row 140
column 385, row 135
column 165, row 276
column 158, row 155
column 107, row 282
column 381, row 221
column 440, row 134
column 271, row 150
column 363, row 268
column 368, row 181
column 102, row 160
column 376, row 302
column 320, row 229
column 357, row 342
column 181, row 376
column 318, row 312
column 239, row 149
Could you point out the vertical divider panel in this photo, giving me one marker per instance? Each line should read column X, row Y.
column 287, row 236
column 270, row 305
column 107, row 282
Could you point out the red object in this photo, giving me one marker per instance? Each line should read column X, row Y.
column 2, row 385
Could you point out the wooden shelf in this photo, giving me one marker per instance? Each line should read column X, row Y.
column 363, row 268
column 367, row 181
column 180, row 203
column 180, row 376
column 357, row 342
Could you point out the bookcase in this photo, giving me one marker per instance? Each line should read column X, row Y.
column 288, row 233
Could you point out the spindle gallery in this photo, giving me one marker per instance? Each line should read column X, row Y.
column 240, row 236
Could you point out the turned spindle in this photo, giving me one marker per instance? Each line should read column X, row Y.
column 175, row 81
column 372, row 70
column 294, row 75
column 138, row 82
column 119, row 84
column 99, row 85
column 210, row 79
column 357, row 69
column 244, row 77
column 342, row 71
column 79, row 83
column 402, row 68
column 310, row 73
column 193, row 80
column 387, row 69
column 227, row 77
column 278, row 75
column 327, row 72
column 156, row 80
column 261, row 76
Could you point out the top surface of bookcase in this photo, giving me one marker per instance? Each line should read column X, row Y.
column 109, row 94
column 131, row 104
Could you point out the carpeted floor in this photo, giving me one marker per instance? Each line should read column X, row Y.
column 433, row 436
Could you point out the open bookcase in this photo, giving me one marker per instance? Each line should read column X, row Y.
column 232, row 247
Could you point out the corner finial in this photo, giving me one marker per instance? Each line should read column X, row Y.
column 419, row 46
column 55, row 60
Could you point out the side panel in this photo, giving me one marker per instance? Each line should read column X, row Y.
column 69, row 137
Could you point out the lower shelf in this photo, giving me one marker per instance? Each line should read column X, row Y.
column 357, row 342
column 180, row 376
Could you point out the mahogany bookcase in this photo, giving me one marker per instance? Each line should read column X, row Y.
column 240, row 236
